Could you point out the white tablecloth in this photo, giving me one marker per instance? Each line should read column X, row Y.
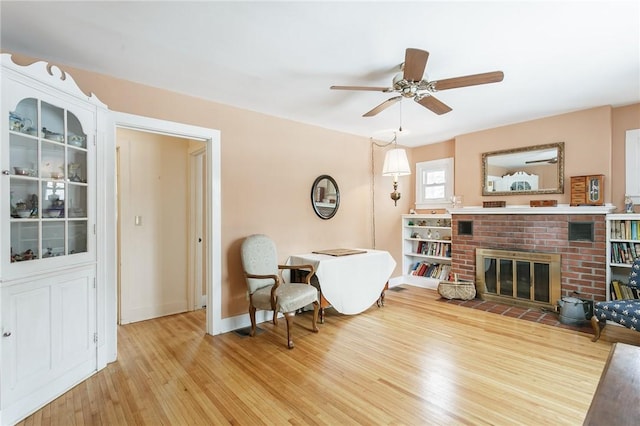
column 351, row 284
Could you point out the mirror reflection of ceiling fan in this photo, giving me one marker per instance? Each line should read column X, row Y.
column 553, row 160
column 412, row 84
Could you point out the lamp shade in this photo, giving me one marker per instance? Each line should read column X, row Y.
column 396, row 163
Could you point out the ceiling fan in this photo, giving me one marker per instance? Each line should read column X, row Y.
column 553, row 160
column 411, row 84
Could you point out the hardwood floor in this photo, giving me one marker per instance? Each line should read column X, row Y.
column 415, row 361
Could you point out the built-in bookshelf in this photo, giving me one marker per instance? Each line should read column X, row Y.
column 426, row 249
column 623, row 246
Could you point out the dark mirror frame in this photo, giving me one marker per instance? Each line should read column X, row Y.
column 522, row 154
column 329, row 209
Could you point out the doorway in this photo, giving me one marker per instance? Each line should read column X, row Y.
column 160, row 209
column 211, row 221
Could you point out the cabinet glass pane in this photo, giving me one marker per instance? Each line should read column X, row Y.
column 53, row 199
column 24, row 118
column 23, row 152
column 24, row 241
column 75, row 135
column 53, row 238
column 77, row 201
column 23, row 197
column 78, row 236
column 52, row 122
column 77, row 165
column 52, row 161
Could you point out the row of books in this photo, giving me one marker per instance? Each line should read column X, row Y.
column 624, row 252
column 432, row 270
column 621, row 291
column 433, row 248
column 625, row 229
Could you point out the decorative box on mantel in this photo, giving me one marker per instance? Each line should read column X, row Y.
column 587, row 190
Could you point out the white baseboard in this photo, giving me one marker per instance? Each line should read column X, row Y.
column 150, row 312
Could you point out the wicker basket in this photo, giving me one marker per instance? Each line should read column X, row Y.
column 464, row 290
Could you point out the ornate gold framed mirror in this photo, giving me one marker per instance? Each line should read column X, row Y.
column 535, row 169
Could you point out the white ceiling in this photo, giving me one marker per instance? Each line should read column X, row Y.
column 280, row 58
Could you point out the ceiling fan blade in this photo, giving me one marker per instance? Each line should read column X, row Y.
column 468, row 80
column 433, row 104
column 415, row 61
column 368, row 88
column 546, row 160
column 386, row 104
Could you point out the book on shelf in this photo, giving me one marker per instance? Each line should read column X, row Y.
column 622, row 291
column 624, row 252
column 432, row 270
column 625, row 229
column 616, row 293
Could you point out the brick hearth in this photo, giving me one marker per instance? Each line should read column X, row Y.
column 583, row 267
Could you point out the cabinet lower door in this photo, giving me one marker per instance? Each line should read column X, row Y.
column 48, row 342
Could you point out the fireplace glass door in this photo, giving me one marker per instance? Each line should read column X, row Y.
column 522, row 278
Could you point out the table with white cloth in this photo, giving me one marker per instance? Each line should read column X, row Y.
column 352, row 283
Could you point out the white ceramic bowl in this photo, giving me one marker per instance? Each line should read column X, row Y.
column 22, row 171
column 24, row 213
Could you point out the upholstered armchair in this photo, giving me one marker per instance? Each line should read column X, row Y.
column 267, row 291
column 624, row 312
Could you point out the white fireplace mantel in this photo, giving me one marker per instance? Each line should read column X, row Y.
column 560, row 209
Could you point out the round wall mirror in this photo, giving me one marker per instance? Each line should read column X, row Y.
column 325, row 197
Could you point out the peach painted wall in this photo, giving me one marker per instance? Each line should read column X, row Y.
column 587, row 138
column 624, row 118
column 268, row 167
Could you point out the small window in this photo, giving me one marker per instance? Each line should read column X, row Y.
column 434, row 183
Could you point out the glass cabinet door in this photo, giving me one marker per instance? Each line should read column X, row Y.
column 48, row 187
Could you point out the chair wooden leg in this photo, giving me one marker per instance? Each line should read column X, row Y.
column 252, row 316
column 316, row 308
column 596, row 328
column 275, row 317
column 289, row 317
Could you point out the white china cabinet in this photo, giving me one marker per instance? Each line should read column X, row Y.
column 48, row 251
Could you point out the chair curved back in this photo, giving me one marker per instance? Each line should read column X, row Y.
column 259, row 257
column 634, row 275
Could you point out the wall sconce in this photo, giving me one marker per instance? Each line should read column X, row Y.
column 396, row 164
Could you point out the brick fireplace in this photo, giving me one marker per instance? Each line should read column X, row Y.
column 541, row 230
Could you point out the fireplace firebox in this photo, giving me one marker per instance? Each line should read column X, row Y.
column 522, row 278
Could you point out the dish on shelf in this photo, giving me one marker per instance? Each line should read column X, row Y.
column 57, row 175
column 51, row 213
column 22, row 171
column 56, row 137
column 30, row 131
column 52, row 136
column 76, row 140
column 23, row 213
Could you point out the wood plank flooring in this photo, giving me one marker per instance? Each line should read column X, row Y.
column 416, row 361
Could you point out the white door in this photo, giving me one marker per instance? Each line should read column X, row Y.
column 197, row 227
column 49, row 339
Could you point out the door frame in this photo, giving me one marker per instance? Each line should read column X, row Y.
column 213, row 212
